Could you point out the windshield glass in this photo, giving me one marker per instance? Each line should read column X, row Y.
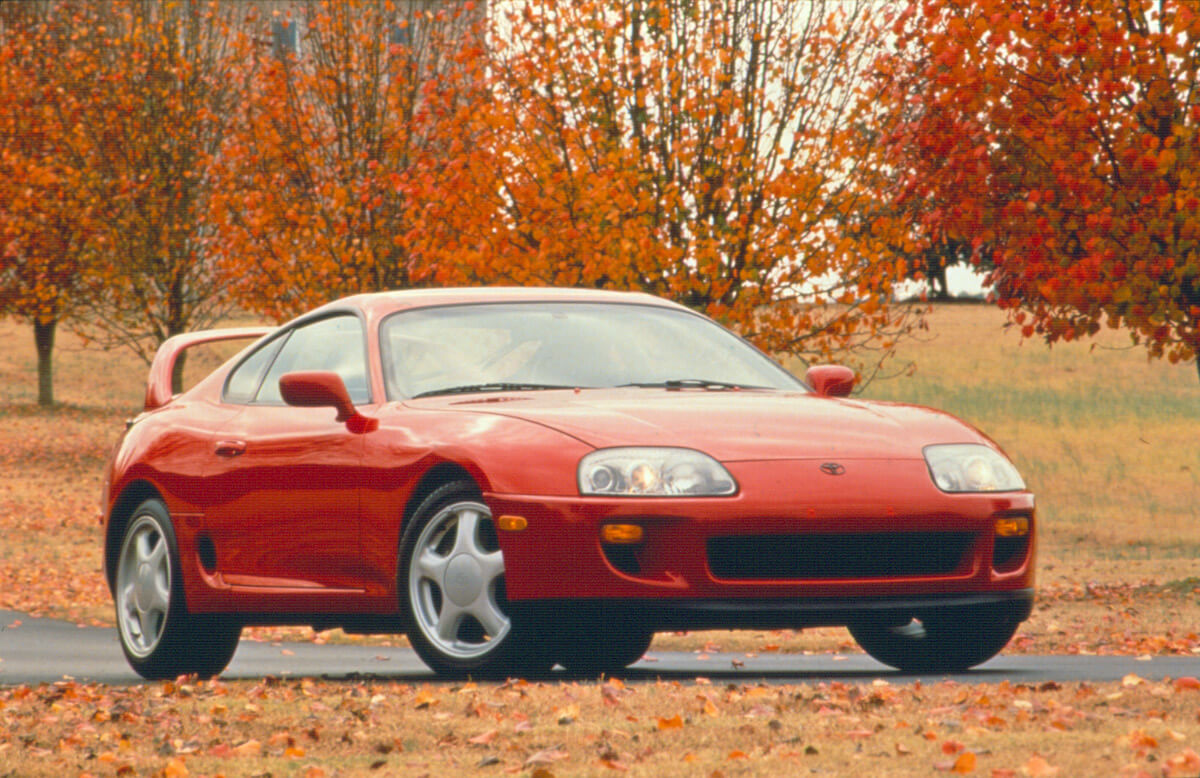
column 515, row 346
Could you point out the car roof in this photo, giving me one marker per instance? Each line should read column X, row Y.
column 379, row 303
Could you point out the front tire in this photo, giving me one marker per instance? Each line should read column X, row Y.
column 942, row 643
column 451, row 580
column 158, row 636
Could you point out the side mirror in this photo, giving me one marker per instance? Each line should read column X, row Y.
column 831, row 380
column 324, row 389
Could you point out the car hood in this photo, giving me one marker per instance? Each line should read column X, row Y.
column 728, row 425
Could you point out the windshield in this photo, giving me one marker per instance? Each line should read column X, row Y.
column 527, row 346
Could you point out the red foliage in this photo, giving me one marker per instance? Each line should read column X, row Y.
column 1065, row 137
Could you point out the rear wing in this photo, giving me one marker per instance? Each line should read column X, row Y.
column 158, row 384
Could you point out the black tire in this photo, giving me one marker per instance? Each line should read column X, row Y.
column 943, row 643
column 592, row 640
column 451, row 591
column 158, row 636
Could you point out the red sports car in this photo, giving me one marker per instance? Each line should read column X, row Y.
column 521, row 477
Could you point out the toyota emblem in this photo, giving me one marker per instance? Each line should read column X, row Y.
column 833, row 468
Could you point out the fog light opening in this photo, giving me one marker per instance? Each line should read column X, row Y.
column 621, row 534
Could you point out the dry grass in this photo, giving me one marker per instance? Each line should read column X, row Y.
column 320, row 730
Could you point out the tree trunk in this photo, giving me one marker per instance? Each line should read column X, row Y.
column 177, row 373
column 43, row 338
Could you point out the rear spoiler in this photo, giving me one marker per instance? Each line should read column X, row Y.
column 158, row 384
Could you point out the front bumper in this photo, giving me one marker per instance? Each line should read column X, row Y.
column 736, row 550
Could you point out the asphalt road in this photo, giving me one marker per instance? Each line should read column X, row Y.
column 34, row 651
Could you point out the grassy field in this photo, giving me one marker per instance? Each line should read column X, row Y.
column 1108, row 441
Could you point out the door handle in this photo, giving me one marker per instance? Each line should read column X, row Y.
column 230, row 448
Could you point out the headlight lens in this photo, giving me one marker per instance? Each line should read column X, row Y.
column 653, row 472
column 970, row 467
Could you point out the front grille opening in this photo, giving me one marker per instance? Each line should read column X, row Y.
column 834, row 556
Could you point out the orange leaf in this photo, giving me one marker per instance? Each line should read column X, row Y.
column 965, row 763
column 1188, row 683
column 1037, row 767
column 485, row 738
column 675, row 722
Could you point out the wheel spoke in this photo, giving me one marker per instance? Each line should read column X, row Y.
column 162, row 596
column 129, row 602
column 148, row 622
column 488, row 613
column 449, row 620
column 432, row 566
column 157, row 557
column 466, row 536
column 491, row 566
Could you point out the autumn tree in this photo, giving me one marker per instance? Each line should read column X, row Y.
column 43, row 219
column 1064, row 140
column 145, row 88
column 698, row 151
column 315, row 175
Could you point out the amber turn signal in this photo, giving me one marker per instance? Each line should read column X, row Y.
column 621, row 533
column 1012, row 527
column 512, row 523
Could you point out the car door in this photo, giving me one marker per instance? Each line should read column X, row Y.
column 283, row 509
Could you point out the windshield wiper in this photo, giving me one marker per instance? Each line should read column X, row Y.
column 690, row 383
column 493, row 387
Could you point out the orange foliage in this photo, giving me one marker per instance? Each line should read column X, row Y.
column 43, row 217
column 40, row 235
column 138, row 92
column 1066, row 137
column 315, row 176
column 702, row 152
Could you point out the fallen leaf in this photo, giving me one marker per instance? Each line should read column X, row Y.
column 249, row 748
column 1037, row 767
column 675, row 722
column 484, row 738
column 1185, row 763
column 547, row 756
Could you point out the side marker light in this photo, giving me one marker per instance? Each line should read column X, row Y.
column 512, row 523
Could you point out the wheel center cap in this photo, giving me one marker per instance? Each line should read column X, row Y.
column 464, row 580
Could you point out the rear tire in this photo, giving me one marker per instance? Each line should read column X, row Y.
column 937, row 644
column 158, row 636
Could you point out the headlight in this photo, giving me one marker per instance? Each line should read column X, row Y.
column 970, row 467
column 653, row 472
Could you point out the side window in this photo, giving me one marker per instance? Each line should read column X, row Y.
column 244, row 381
column 335, row 344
